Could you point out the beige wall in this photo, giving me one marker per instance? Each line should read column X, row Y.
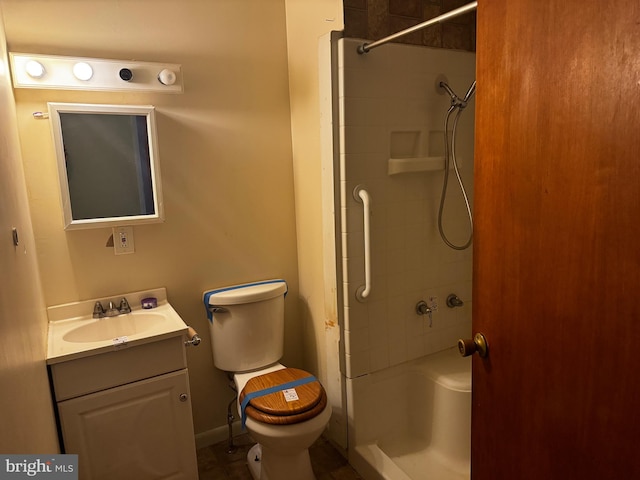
column 26, row 413
column 306, row 23
column 225, row 155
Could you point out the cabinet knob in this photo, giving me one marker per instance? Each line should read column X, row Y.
column 184, row 397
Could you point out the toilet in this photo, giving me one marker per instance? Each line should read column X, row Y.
column 284, row 409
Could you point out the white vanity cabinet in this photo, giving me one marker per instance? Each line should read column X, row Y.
column 127, row 412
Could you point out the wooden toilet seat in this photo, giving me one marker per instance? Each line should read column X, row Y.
column 282, row 407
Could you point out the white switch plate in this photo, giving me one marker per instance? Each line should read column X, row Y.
column 123, row 240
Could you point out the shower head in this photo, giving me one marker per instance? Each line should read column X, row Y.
column 451, row 93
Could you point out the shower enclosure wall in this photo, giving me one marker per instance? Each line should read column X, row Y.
column 388, row 139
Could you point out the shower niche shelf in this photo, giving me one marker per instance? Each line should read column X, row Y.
column 415, row 164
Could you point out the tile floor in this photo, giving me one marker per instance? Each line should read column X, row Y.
column 214, row 463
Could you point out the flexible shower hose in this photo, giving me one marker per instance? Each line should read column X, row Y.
column 447, row 159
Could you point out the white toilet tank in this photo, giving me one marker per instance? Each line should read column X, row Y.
column 246, row 324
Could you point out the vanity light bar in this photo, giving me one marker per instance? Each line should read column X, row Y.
column 75, row 73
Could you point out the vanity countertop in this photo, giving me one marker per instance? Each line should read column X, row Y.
column 73, row 333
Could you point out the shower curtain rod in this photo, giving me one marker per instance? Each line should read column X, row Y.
column 365, row 47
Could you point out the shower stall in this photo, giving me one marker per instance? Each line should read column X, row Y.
column 405, row 390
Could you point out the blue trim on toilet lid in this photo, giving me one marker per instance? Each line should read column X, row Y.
column 208, row 294
column 261, row 393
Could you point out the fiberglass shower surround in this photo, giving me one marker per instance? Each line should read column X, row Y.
column 390, row 117
column 392, row 145
column 457, row 105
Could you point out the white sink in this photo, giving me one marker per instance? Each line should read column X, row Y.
column 110, row 328
column 73, row 333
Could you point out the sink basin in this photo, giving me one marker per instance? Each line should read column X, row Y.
column 73, row 333
column 110, row 328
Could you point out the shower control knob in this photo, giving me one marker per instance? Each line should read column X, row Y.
column 478, row 344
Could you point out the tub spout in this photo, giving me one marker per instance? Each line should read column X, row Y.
column 454, row 301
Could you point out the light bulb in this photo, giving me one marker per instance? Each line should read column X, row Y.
column 167, row 77
column 34, row 69
column 82, row 71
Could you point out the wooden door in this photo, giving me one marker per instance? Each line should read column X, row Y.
column 557, row 240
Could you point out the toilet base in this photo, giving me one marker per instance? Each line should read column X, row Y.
column 265, row 465
column 254, row 461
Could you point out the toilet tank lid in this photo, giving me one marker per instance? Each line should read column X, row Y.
column 246, row 293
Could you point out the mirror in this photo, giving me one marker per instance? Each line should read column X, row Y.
column 107, row 164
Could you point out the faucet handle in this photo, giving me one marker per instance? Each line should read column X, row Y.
column 124, row 306
column 98, row 310
column 454, row 301
column 424, row 308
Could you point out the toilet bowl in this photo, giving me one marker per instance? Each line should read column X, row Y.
column 282, row 451
column 284, row 409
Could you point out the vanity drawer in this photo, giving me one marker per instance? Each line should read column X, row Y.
column 99, row 372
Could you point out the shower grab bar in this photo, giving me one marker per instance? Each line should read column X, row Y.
column 361, row 195
column 365, row 47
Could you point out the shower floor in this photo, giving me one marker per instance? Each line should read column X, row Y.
column 418, row 460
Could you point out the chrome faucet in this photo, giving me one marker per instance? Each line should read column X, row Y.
column 112, row 311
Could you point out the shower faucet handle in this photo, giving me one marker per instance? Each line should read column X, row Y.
column 423, row 308
column 454, row 301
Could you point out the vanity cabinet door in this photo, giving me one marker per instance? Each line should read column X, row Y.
column 143, row 430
